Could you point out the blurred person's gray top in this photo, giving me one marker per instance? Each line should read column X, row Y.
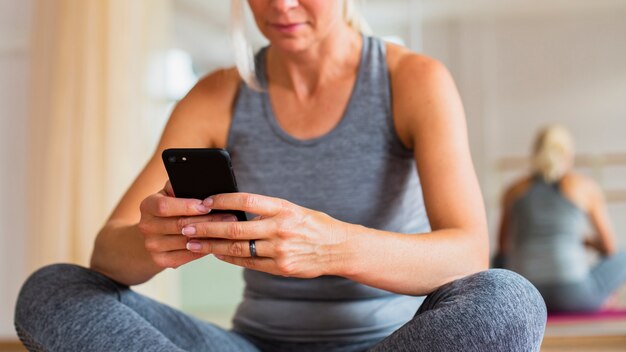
column 547, row 235
column 360, row 173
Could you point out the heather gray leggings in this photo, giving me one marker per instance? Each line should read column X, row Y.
column 590, row 293
column 69, row 308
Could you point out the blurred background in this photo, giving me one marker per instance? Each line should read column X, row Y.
column 87, row 85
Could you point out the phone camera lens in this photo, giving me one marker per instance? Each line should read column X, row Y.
column 171, row 159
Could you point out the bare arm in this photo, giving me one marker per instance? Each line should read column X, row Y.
column 604, row 241
column 430, row 119
column 122, row 250
column 514, row 192
column 503, row 230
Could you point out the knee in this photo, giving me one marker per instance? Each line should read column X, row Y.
column 45, row 287
column 515, row 302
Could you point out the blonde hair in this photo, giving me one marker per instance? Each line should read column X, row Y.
column 553, row 153
column 244, row 56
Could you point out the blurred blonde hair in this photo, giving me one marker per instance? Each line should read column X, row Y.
column 244, row 56
column 553, row 152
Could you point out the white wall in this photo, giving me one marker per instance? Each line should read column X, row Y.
column 15, row 22
column 518, row 72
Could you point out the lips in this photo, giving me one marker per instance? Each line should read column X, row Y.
column 287, row 27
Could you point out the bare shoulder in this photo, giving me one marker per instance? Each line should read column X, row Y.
column 414, row 69
column 203, row 116
column 422, row 90
column 516, row 190
column 217, row 90
column 219, row 82
column 573, row 179
column 582, row 189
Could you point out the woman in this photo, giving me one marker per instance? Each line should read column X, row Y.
column 330, row 166
column 543, row 224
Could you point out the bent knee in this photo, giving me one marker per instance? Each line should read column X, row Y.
column 512, row 291
column 45, row 286
column 513, row 296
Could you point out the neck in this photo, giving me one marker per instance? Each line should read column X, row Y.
column 305, row 71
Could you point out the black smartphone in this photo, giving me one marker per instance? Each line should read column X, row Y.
column 200, row 173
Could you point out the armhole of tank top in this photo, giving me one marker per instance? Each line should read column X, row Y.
column 235, row 108
column 523, row 193
column 398, row 147
column 568, row 198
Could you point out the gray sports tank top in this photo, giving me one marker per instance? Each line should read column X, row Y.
column 360, row 173
column 547, row 236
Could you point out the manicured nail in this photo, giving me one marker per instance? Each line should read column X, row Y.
column 220, row 257
column 208, row 202
column 193, row 246
column 189, row 230
column 202, row 208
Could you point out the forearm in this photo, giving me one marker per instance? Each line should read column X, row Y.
column 410, row 264
column 120, row 254
column 596, row 244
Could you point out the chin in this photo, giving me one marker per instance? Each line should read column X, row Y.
column 291, row 44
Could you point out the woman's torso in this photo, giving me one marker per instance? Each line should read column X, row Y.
column 547, row 235
column 359, row 172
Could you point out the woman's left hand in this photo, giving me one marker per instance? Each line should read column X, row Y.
column 290, row 240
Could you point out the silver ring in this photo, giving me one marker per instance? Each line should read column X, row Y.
column 252, row 245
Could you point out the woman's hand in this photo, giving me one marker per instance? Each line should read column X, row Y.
column 290, row 240
column 163, row 218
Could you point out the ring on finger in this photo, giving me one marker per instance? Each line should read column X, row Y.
column 252, row 246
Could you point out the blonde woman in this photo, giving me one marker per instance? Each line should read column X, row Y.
column 345, row 239
column 545, row 216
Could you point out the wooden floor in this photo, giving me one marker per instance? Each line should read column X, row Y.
column 11, row 346
column 584, row 344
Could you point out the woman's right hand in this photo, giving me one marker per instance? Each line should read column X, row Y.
column 163, row 218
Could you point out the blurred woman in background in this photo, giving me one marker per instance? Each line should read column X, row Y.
column 544, row 219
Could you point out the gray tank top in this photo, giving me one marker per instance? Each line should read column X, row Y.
column 547, row 231
column 360, row 173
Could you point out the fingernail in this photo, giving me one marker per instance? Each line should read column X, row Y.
column 220, row 257
column 189, row 230
column 202, row 208
column 208, row 202
column 194, row 246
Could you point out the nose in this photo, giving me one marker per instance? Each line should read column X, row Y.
column 285, row 5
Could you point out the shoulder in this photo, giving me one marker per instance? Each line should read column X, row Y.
column 423, row 94
column 516, row 190
column 421, row 69
column 214, row 87
column 202, row 117
column 572, row 179
column 582, row 189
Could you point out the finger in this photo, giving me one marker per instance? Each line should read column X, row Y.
column 231, row 248
column 251, row 203
column 165, row 206
column 174, row 259
column 169, row 191
column 174, row 225
column 240, row 230
column 260, row 264
column 165, row 243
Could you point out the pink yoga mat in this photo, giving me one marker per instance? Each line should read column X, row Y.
column 588, row 316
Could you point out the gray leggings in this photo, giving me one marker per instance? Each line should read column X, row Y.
column 588, row 294
column 65, row 307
